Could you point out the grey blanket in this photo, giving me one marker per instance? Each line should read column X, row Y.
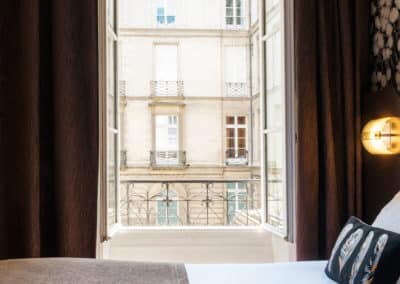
column 88, row 271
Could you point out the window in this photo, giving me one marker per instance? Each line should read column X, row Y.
column 166, row 70
column 112, row 117
column 167, row 208
column 278, row 123
column 236, row 140
column 237, row 199
column 235, row 71
column 166, row 12
column 234, row 12
column 167, row 139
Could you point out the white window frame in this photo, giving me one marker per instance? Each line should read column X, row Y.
column 236, row 126
column 289, row 126
column 234, row 16
column 107, row 32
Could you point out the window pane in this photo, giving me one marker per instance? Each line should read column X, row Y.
column 275, row 172
column 242, row 120
column 111, row 179
column 170, row 19
column 229, row 12
column 229, row 21
column 229, row 3
column 111, row 13
column 230, row 143
column 242, row 132
column 111, row 98
column 242, row 143
column 230, row 120
column 230, row 132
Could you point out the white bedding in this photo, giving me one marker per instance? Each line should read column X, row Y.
column 277, row 273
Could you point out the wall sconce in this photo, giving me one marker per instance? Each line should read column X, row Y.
column 382, row 136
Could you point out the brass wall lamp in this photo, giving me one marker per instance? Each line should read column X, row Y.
column 382, row 136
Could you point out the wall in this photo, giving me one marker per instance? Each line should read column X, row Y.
column 381, row 174
column 191, row 14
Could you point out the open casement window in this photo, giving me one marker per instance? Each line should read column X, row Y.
column 108, row 39
column 277, row 121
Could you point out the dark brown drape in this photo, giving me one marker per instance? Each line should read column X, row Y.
column 331, row 58
column 48, row 128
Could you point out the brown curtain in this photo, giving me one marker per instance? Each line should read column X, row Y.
column 48, row 128
column 331, row 58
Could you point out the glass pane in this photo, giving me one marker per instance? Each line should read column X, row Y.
column 170, row 19
column 230, row 120
column 242, row 143
column 275, row 173
column 242, row 120
column 229, row 12
column 111, row 13
column 241, row 132
column 230, row 132
column 229, row 3
column 111, row 179
column 111, row 77
column 229, row 21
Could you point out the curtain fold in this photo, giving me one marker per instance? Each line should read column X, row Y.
column 48, row 128
column 331, row 58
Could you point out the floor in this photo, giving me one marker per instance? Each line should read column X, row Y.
column 199, row 246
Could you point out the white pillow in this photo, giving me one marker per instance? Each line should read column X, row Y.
column 389, row 217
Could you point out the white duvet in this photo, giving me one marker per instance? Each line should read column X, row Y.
column 276, row 273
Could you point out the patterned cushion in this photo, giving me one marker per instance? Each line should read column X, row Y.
column 365, row 254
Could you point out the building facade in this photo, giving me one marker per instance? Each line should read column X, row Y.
column 189, row 112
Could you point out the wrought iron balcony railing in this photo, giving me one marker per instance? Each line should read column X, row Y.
column 166, row 88
column 167, row 158
column 234, row 89
column 236, row 157
column 190, row 202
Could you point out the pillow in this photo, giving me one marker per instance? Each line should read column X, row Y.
column 389, row 217
column 365, row 254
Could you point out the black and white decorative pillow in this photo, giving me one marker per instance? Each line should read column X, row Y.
column 365, row 254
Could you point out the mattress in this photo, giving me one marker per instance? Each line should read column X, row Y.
column 277, row 273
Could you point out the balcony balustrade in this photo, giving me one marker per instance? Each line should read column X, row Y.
column 234, row 89
column 236, row 157
column 167, row 88
column 190, row 203
column 167, row 158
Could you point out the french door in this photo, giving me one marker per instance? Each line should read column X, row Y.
column 278, row 127
column 109, row 118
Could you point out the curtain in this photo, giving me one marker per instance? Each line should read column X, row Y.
column 331, row 66
column 48, row 128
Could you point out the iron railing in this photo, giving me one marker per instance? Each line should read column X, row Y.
column 236, row 157
column 190, row 202
column 234, row 89
column 166, row 88
column 167, row 158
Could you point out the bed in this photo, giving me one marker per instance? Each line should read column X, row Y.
column 76, row 271
column 277, row 273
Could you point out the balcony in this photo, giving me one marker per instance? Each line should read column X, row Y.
column 234, row 89
column 236, row 157
column 166, row 88
column 190, row 203
column 167, row 158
